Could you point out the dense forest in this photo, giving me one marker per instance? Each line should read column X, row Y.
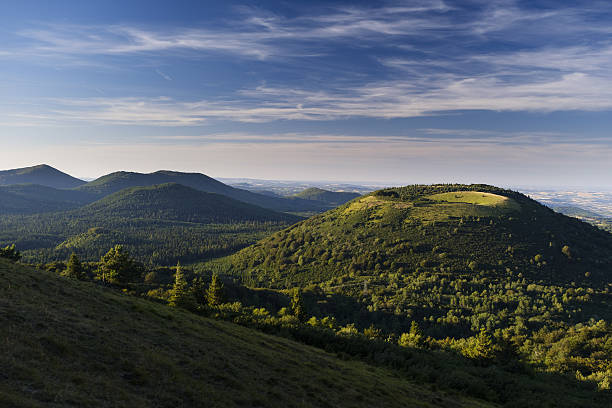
column 159, row 224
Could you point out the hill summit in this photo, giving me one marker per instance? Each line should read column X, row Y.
column 42, row 174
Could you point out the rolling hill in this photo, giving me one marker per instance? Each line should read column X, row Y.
column 330, row 198
column 114, row 182
column 43, row 175
column 69, row 343
column 177, row 202
column 159, row 224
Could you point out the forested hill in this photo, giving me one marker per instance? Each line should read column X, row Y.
column 43, row 175
column 177, row 202
column 34, row 198
column 448, row 229
column 118, row 181
column 331, row 198
column 69, row 343
column 455, row 259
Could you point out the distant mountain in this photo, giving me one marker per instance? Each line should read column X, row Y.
column 172, row 201
column 43, row 175
column 118, row 181
column 34, row 198
column 331, row 198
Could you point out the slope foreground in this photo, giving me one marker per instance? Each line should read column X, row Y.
column 67, row 343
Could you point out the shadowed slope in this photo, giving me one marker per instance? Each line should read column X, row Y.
column 68, row 343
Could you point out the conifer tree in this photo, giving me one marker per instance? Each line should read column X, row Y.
column 180, row 296
column 297, row 305
column 74, row 268
column 116, row 266
column 483, row 348
column 10, row 252
column 214, row 294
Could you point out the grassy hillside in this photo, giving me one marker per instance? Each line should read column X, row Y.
column 34, row 198
column 331, row 198
column 43, row 175
column 114, row 182
column 68, row 343
column 158, row 224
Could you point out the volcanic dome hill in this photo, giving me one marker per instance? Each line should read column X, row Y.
column 447, row 229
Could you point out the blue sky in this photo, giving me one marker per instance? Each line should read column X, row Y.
column 502, row 92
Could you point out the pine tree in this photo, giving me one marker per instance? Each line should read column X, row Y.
column 180, row 296
column 74, row 268
column 483, row 348
column 10, row 252
column 214, row 294
column 297, row 305
column 116, row 266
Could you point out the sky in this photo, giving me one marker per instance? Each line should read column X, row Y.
column 495, row 91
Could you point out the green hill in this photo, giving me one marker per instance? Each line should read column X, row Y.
column 34, row 198
column 68, row 343
column 456, row 259
column 158, row 224
column 331, row 198
column 43, row 175
column 179, row 203
column 114, row 182
column 429, row 228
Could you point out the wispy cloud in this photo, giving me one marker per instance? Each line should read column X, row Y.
column 429, row 57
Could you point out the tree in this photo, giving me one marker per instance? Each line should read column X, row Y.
column 483, row 347
column 214, row 294
column 412, row 339
column 180, row 296
column 10, row 252
column 297, row 305
column 74, row 268
column 116, row 266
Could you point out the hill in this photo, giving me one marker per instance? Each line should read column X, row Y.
column 159, row 224
column 114, row 182
column 331, row 198
column 69, row 343
column 442, row 228
column 456, row 259
column 34, row 198
column 43, row 175
column 178, row 203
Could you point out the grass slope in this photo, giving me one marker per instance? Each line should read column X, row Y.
column 68, row 343
column 42, row 174
column 114, row 182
